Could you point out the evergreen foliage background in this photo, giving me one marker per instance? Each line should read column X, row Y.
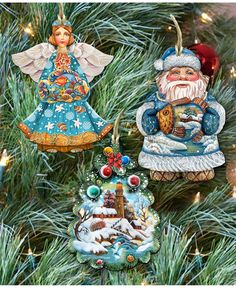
column 39, row 189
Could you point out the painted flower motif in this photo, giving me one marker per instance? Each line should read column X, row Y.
column 115, row 160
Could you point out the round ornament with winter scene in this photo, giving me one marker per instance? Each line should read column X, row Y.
column 115, row 227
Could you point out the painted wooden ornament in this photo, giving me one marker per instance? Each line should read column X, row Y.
column 180, row 120
column 210, row 63
column 115, row 227
column 63, row 121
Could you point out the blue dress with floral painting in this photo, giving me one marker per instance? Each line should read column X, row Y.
column 64, row 121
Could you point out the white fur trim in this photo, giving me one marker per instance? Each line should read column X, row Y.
column 158, row 64
column 182, row 60
column 221, row 111
column 139, row 115
column 181, row 163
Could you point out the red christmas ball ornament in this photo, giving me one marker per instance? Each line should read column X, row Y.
column 210, row 62
column 106, row 171
column 134, row 181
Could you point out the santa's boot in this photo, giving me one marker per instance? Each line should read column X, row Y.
column 164, row 176
column 199, row 175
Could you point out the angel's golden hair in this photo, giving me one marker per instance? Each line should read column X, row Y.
column 54, row 29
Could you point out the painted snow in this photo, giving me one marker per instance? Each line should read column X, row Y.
column 104, row 211
column 162, row 144
column 102, row 235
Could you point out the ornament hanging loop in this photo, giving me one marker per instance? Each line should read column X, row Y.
column 179, row 44
column 61, row 15
column 116, row 136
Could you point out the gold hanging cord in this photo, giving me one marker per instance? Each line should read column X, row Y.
column 178, row 46
column 61, row 15
column 116, row 136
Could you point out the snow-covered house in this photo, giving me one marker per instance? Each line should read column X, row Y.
column 104, row 212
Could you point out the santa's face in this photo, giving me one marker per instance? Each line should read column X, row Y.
column 182, row 73
column 180, row 82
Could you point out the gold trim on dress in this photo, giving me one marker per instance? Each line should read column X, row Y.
column 25, row 129
column 105, row 131
column 58, row 141
column 64, row 148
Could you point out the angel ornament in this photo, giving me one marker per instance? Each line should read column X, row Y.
column 63, row 121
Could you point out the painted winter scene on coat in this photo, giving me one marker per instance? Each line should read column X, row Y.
column 189, row 118
column 118, row 229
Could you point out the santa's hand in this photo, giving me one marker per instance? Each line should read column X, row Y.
column 200, row 102
column 151, row 112
column 210, row 121
column 150, row 122
column 146, row 119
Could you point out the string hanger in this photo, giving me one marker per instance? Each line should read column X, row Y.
column 61, row 15
column 179, row 44
column 116, row 136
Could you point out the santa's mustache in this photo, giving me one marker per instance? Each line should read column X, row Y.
column 193, row 87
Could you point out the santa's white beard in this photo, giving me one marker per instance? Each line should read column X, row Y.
column 173, row 92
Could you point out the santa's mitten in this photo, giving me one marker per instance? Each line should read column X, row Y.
column 150, row 122
column 200, row 102
column 210, row 121
column 166, row 119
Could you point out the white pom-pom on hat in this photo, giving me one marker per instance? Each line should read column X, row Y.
column 159, row 64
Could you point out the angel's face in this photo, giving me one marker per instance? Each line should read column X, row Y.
column 62, row 37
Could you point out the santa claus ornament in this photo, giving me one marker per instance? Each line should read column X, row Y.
column 63, row 120
column 114, row 227
column 181, row 120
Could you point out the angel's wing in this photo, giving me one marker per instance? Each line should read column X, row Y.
column 33, row 60
column 91, row 60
